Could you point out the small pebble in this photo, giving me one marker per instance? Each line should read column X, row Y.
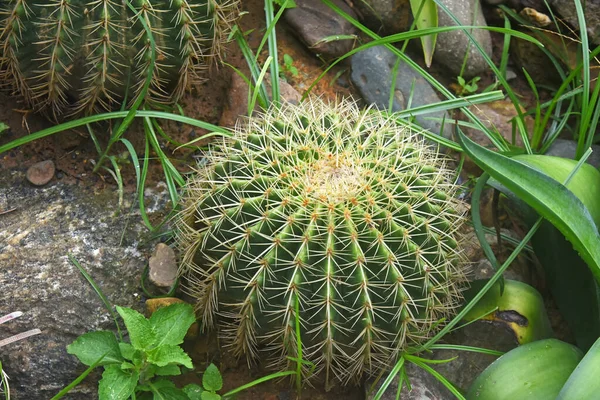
column 41, row 173
column 163, row 266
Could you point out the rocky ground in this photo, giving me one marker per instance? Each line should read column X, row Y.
column 53, row 206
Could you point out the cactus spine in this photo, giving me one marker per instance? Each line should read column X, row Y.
column 340, row 213
column 78, row 56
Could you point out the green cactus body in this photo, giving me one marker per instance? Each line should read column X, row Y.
column 340, row 213
column 79, row 56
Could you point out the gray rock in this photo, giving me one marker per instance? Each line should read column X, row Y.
column 37, row 278
column 313, row 21
column 451, row 46
column 163, row 266
column 41, row 173
column 566, row 9
column 568, row 149
column 372, row 76
column 388, row 16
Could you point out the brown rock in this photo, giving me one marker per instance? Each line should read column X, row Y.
column 312, row 21
column 41, row 173
column 154, row 304
column 497, row 115
column 237, row 99
column 163, row 266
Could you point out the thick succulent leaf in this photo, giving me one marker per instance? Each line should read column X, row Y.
column 537, row 370
column 550, row 198
column 566, row 273
column 583, row 382
column 520, row 307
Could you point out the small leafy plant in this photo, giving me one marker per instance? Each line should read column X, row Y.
column 137, row 369
column 212, row 382
column 466, row 87
column 288, row 68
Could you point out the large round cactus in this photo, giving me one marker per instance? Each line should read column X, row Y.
column 341, row 220
column 70, row 56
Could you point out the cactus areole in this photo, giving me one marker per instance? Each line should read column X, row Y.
column 80, row 56
column 340, row 220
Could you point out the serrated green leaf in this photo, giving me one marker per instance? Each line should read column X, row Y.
column 89, row 347
column 172, row 323
column 127, row 350
column 550, row 198
column 426, row 16
column 168, row 370
column 210, row 396
column 141, row 333
column 212, row 380
column 166, row 390
column 169, row 354
column 117, row 384
column 193, row 391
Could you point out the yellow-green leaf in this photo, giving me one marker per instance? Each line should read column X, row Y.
column 426, row 16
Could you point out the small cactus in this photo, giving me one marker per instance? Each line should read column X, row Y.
column 78, row 56
column 342, row 214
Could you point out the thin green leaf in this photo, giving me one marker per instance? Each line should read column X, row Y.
column 426, row 16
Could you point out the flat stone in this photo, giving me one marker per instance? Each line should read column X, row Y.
column 312, row 21
column 163, row 266
column 372, row 76
column 41, row 173
column 37, row 278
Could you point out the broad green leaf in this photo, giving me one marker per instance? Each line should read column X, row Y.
column 140, row 330
column 169, row 354
column 583, row 382
column 193, row 391
column 117, row 384
column 167, row 370
column 585, row 184
column 127, row 350
column 517, row 299
column 90, row 346
column 212, row 380
column 535, row 370
column 210, row 396
column 166, row 390
column 426, row 16
column 171, row 323
column 550, row 198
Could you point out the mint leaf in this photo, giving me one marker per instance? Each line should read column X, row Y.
column 212, row 380
column 127, row 350
column 193, row 391
column 172, row 323
column 166, row 390
column 210, row 396
column 167, row 370
column 169, row 354
column 89, row 347
column 116, row 384
column 140, row 330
